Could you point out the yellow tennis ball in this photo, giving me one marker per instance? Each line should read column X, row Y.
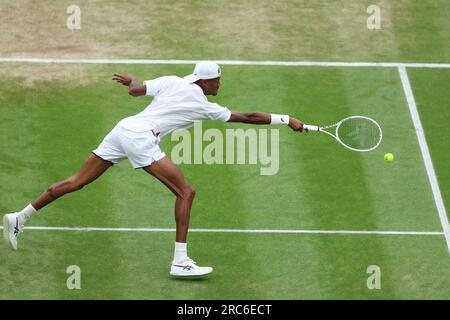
column 389, row 157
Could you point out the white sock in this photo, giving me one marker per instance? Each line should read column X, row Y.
column 27, row 212
column 180, row 252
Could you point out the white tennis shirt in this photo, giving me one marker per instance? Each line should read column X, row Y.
column 176, row 104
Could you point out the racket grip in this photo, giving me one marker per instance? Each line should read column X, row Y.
column 311, row 128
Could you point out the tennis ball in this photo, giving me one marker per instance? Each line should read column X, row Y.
column 389, row 157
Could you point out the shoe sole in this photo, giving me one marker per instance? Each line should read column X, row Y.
column 178, row 275
column 190, row 276
column 6, row 229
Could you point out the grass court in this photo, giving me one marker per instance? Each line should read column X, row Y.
column 308, row 232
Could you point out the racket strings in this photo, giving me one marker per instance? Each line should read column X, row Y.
column 359, row 133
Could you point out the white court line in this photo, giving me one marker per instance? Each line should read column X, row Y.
column 233, row 62
column 282, row 231
column 425, row 154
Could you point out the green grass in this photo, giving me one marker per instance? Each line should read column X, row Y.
column 53, row 115
column 432, row 96
column 261, row 30
column 50, row 128
column 135, row 266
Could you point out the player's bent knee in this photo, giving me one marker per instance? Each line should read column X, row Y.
column 69, row 185
column 52, row 191
column 188, row 193
column 77, row 185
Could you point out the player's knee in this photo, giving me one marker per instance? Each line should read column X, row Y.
column 192, row 193
column 69, row 185
column 188, row 193
column 76, row 184
column 52, row 190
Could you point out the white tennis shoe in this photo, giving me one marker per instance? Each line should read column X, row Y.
column 12, row 226
column 188, row 268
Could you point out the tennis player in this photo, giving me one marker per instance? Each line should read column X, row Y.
column 178, row 103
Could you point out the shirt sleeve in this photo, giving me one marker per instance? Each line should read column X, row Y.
column 157, row 86
column 217, row 112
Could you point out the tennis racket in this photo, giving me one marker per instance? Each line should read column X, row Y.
column 356, row 133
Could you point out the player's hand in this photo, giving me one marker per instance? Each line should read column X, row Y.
column 296, row 125
column 123, row 79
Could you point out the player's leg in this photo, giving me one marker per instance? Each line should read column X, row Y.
column 169, row 174
column 92, row 168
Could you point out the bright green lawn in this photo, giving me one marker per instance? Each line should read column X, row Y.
column 411, row 30
column 116, row 265
column 432, row 97
column 48, row 130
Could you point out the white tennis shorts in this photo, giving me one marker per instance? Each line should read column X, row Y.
column 141, row 148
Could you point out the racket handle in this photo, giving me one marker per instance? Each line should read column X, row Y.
column 311, row 128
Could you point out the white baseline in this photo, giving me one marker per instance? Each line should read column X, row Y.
column 267, row 231
column 233, row 62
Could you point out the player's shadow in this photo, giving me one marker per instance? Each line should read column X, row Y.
column 195, row 279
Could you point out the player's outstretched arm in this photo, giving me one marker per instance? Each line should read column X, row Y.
column 266, row 118
column 134, row 90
